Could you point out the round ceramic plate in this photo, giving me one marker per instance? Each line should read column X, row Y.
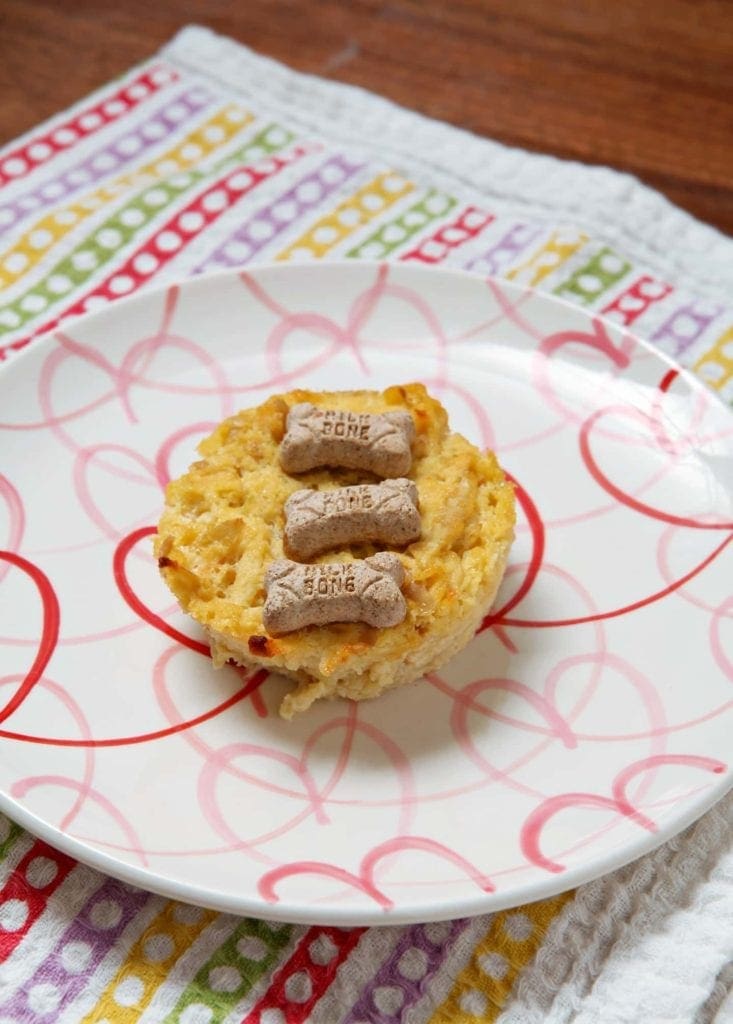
column 587, row 722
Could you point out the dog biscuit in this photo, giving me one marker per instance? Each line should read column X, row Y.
column 377, row 442
column 318, row 520
column 313, row 595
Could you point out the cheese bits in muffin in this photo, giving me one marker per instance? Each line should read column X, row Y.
column 224, row 525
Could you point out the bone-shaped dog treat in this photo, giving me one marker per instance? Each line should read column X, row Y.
column 313, row 595
column 377, row 442
column 319, row 520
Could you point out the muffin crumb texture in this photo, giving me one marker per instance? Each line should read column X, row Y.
column 223, row 525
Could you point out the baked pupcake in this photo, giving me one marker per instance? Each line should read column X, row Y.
column 224, row 525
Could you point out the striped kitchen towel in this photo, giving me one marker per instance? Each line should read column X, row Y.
column 209, row 157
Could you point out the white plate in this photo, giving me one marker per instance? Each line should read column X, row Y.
column 587, row 725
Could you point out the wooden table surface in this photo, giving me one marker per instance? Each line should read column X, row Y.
column 641, row 85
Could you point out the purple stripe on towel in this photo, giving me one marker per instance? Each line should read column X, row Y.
column 509, row 247
column 109, row 159
column 683, row 328
column 66, row 970
column 269, row 222
column 400, row 981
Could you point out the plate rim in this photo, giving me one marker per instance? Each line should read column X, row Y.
column 367, row 916
column 161, row 287
column 348, row 916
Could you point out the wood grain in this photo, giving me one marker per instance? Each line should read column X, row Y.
column 640, row 85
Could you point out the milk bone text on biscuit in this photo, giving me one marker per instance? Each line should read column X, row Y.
column 377, row 442
column 319, row 520
column 314, row 595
